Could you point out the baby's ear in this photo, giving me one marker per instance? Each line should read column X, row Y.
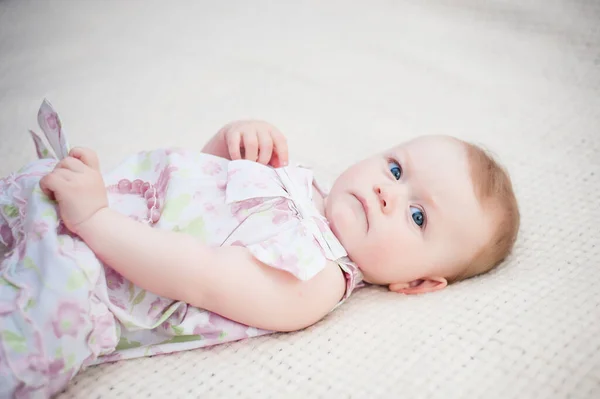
column 421, row 286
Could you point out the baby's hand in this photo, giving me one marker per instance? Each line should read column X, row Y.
column 256, row 141
column 77, row 185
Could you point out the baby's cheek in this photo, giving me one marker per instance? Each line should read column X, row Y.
column 341, row 221
column 383, row 250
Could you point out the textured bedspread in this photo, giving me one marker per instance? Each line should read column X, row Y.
column 343, row 79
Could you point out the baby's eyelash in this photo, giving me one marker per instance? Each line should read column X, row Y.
column 396, row 171
column 416, row 219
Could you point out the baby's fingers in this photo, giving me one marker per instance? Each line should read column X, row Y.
column 265, row 147
column 72, row 164
column 55, row 181
column 250, row 143
column 233, row 145
column 280, row 149
column 47, row 184
column 87, row 156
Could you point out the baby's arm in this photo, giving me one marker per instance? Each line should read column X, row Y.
column 226, row 280
column 252, row 140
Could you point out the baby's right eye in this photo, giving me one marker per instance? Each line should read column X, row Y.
column 396, row 169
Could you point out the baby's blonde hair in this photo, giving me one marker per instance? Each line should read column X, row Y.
column 494, row 190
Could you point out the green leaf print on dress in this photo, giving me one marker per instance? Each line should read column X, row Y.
column 125, row 344
column 196, row 228
column 174, row 207
column 76, row 280
column 142, row 166
column 182, row 338
column 15, row 341
column 11, row 211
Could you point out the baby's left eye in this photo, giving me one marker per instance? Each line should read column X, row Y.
column 417, row 216
column 396, row 169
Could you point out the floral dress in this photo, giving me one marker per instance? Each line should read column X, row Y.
column 61, row 309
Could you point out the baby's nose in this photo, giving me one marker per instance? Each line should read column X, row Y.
column 386, row 200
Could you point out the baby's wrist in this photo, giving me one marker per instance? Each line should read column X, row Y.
column 87, row 229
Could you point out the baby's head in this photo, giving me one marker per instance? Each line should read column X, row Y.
column 424, row 214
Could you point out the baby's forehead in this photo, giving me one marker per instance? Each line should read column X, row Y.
column 439, row 141
column 432, row 152
column 439, row 164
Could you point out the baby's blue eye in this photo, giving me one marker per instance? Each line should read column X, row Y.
column 396, row 169
column 418, row 216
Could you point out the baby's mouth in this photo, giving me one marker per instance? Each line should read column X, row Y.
column 365, row 208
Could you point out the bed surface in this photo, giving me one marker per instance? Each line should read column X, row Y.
column 344, row 79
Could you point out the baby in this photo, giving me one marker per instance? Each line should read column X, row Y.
column 177, row 250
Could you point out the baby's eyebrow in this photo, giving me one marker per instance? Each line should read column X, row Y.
column 407, row 166
column 432, row 202
column 406, row 160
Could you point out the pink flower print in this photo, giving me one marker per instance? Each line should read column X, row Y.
column 231, row 329
column 21, row 250
column 231, row 173
column 24, row 391
column 69, row 318
column 52, row 121
column 282, row 205
column 212, row 168
column 237, row 243
column 6, row 236
column 222, row 185
column 302, row 231
column 55, row 368
column 268, row 243
column 287, row 262
column 166, row 325
column 113, row 279
column 260, row 185
column 62, row 229
column 323, row 228
column 179, row 314
column 163, row 181
column 220, row 327
column 117, row 302
column 280, row 218
column 39, row 230
column 36, row 362
column 6, row 308
column 174, row 150
column 206, row 331
column 241, row 206
column 104, row 332
column 156, row 308
column 210, row 208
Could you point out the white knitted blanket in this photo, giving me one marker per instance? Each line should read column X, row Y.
column 343, row 79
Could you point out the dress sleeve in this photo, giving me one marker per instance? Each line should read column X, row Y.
column 293, row 250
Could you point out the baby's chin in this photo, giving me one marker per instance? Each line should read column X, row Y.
column 351, row 243
column 333, row 218
column 344, row 223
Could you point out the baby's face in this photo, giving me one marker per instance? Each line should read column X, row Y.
column 409, row 214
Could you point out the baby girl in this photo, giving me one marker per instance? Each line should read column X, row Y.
column 176, row 250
